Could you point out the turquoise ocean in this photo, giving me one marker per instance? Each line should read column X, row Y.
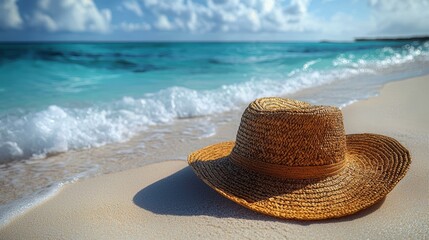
column 55, row 97
column 58, row 97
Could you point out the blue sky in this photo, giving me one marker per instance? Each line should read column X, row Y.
column 208, row 20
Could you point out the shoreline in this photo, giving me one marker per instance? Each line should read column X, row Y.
column 142, row 200
column 21, row 179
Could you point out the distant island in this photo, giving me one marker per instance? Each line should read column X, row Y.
column 413, row 38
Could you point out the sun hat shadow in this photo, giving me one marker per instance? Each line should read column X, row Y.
column 184, row 194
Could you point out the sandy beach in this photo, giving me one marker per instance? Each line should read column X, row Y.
column 167, row 201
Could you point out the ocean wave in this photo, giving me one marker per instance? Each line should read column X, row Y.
column 385, row 57
column 58, row 129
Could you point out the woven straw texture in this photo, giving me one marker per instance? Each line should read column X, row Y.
column 293, row 160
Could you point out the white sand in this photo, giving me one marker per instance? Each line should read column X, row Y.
column 167, row 201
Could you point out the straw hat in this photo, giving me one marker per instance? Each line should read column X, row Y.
column 293, row 160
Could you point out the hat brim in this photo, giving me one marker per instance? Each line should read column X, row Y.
column 374, row 165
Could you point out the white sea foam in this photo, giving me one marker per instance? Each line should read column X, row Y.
column 15, row 208
column 59, row 129
column 9, row 211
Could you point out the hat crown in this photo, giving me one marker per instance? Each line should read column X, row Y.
column 291, row 133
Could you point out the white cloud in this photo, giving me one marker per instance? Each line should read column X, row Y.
column 254, row 20
column 9, row 14
column 298, row 7
column 235, row 17
column 45, row 20
column 71, row 15
column 163, row 23
column 385, row 18
column 268, row 6
column 132, row 27
column 229, row 15
column 134, row 7
column 397, row 17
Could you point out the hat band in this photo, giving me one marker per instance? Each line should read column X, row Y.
column 289, row 172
